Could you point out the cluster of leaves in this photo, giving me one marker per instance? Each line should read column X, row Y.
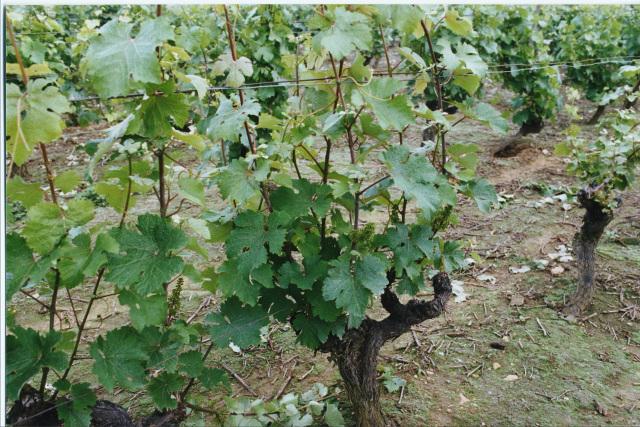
column 608, row 164
column 52, row 42
column 60, row 247
column 293, row 409
column 296, row 247
column 514, row 38
column 586, row 36
column 301, row 260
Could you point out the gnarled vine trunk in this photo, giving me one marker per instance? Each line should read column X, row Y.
column 34, row 409
column 595, row 220
column 356, row 353
column 596, row 115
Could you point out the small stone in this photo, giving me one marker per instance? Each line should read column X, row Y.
column 511, row 378
column 517, row 300
column 486, row 278
column 496, row 366
column 463, row 399
column 523, row 269
column 557, row 270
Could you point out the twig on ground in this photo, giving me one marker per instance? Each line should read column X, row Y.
column 238, row 378
column 544, row 331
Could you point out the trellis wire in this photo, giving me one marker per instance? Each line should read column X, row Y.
column 321, row 81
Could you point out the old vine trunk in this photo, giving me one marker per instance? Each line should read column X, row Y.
column 596, row 115
column 356, row 353
column 595, row 220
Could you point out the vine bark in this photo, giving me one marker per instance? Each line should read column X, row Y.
column 356, row 353
column 595, row 220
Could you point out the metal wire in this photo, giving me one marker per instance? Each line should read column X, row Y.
column 321, row 81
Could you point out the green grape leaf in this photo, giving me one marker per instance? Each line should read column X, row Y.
column 252, row 232
column 312, row 332
column 210, row 378
column 371, row 272
column 155, row 114
column 28, row 194
column 348, row 31
column 300, row 200
column 483, row 193
column 78, row 412
column 119, row 359
column 391, row 112
column 79, row 211
column 77, row 260
column 458, row 24
column 416, row 177
column 118, row 63
column 44, row 227
column 237, row 70
column 102, row 146
column 237, row 182
column 115, row 194
column 348, row 293
column 275, row 301
column 463, row 159
column 486, row 114
column 232, row 281
column 467, row 81
column 146, row 261
column 144, row 310
column 237, row 324
column 68, row 180
column 20, row 263
column 27, row 353
column 359, row 71
column 404, row 18
column 191, row 363
column 162, row 389
column 32, row 117
column 465, row 56
column 228, row 122
column 321, row 308
column 192, row 189
column 333, row 417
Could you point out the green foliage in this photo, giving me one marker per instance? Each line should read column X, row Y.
column 28, row 194
column 146, row 260
column 588, row 33
column 609, row 163
column 78, row 411
column 341, row 32
column 238, row 325
column 391, row 382
column 27, row 353
column 117, row 62
column 306, row 409
column 119, row 359
column 300, row 245
column 33, row 117
column 514, row 38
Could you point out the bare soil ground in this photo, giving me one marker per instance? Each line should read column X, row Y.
column 505, row 356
